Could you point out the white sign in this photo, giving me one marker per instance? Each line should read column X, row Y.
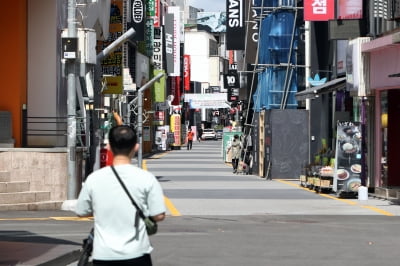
column 208, row 100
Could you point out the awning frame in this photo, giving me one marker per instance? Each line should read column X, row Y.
column 330, row 86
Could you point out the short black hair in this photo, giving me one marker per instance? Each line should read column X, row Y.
column 122, row 140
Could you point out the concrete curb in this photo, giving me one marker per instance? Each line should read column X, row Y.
column 63, row 260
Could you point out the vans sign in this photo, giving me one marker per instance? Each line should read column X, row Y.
column 235, row 28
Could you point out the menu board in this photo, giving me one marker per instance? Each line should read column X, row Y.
column 348, row 158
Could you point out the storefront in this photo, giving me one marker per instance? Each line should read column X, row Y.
column 383, row 55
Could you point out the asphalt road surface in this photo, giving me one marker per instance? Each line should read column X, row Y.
column 218, row 218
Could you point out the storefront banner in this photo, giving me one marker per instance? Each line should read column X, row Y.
column 159, row 87
column 186, row 72
column 176, row 129
column 349, row 9
column 111, row 66
column 347, row 176
column 235, row 25
column 138, row 14
column 317, row 10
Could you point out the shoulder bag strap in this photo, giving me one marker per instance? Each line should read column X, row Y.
column 127, row 192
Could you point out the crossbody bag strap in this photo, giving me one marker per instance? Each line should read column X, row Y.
column 127, row 192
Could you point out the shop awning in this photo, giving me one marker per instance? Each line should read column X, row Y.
column 330, row 86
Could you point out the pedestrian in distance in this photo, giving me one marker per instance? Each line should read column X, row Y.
column 199, row 133
column 235, row 147
column 120, row 236
column 190, row 136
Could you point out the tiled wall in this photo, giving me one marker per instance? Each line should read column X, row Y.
column 46, row 171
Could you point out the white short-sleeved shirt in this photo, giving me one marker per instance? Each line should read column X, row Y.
column 115, row 235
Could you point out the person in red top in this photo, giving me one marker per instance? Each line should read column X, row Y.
column 190, row 136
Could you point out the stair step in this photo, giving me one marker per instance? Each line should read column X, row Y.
column 18, row 186
column 5, row 176
column 32, row 206
column 24, row 197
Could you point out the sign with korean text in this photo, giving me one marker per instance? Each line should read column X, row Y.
column 111, row 66
column 186, row 72
column 319, row 10
column 157, row 58
column 157, row 11
column 176, row 129
column 149, row 36
column 150, row 8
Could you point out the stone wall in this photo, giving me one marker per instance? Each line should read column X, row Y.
column 45, row 169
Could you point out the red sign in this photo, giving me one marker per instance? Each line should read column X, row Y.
column 319, row 10
column 186, row 72
column 157, row 23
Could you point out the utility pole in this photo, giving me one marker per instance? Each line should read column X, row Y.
column 140, row 116
column 71, row 105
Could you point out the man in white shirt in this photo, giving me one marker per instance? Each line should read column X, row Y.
column 118, row 238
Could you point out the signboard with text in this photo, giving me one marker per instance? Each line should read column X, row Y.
column 317, row 10
column 235, row 25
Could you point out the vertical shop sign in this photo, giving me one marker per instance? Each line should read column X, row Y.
column 347, row 176
column 159, row 87
column 157, row 58
column 349, row 9
column 169, row 42
column 150, row 8
column 235, row 25
column 252, row 32
column 186, row 72
column 176, row 129
column 111, row 67
column 157, row 9
column 319, row 10
column 176, row 34
column 138, row 14
column 149, row 37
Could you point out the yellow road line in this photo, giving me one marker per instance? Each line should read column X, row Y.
column 168, row 203
column 174, row 211
column 375, row 209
